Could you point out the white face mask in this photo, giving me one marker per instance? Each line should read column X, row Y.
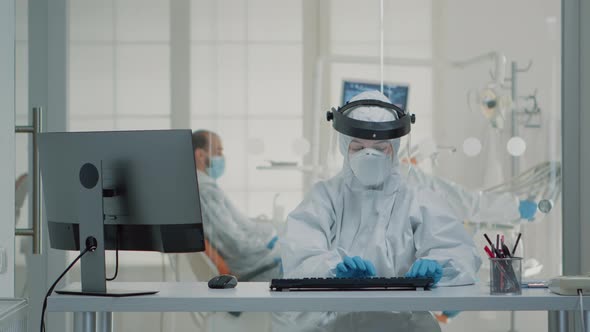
column 371, row 167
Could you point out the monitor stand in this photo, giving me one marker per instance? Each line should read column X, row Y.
column 91, row 219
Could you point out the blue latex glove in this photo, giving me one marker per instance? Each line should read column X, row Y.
column 355, row 267
column 272, row 242
column 527, row 209
column 451, row 313
column 426, row 268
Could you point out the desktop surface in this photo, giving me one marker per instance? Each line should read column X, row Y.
column 257, row 297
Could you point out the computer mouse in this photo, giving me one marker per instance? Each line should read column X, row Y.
column 223, row 281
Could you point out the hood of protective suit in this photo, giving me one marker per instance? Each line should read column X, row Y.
column 371, row 114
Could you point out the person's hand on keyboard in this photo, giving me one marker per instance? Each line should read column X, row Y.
column 355, row 267
column 426, row 268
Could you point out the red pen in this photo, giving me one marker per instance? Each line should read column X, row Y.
column 488, row 251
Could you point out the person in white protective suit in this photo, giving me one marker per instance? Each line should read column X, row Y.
column 248, row 247
column 472, row 205
column 366, row 221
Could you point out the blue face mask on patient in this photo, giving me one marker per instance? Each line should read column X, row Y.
column 216, row 167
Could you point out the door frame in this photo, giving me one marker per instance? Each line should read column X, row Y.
column 7, row 140
column 48, row 24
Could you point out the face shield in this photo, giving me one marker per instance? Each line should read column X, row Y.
column 370, row 130
column 381, row 126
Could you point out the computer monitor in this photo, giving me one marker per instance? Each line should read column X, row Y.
column 397, row 93
column 131, row 190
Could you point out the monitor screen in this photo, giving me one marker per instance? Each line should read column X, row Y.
column 397, row 93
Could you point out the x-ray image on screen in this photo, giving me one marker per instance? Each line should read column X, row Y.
column 397, row 93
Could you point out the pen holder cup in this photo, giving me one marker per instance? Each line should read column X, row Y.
column 505, row 276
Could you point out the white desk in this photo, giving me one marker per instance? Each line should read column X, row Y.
column 256, row 297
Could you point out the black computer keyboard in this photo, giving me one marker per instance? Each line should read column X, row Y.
column 350, row 284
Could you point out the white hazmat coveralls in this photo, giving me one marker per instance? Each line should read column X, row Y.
column 471, row 205
column 391, row 226
column 241, row 241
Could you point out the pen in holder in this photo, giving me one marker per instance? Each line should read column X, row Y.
column 505, row 276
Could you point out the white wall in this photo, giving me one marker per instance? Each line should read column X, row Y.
column 245, row 78
column 355, row 28
column 7, row 37
column 247, row 85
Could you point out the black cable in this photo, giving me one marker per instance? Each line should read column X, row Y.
column 116, row 266
column 90, row 246
column 116, row 258
column 581, row 294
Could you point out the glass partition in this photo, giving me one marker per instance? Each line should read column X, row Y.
column 484, row 156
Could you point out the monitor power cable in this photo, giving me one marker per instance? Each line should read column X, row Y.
column 581, row 294
column 116, row 257
column 91, row 245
